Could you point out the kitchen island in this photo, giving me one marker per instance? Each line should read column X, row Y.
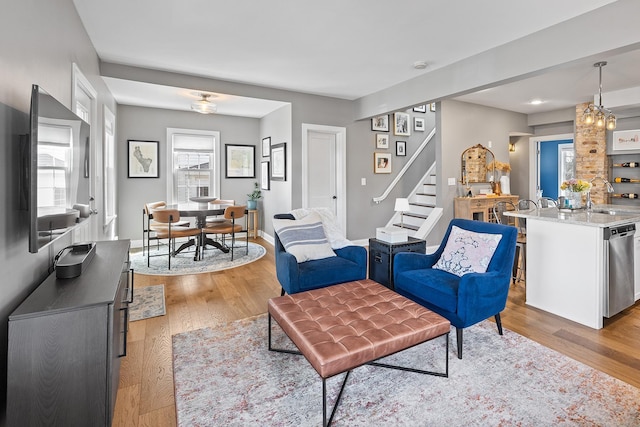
column 566, row 258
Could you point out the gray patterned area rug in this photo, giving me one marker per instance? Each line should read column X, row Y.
column 226, row 376
column 147, row 302
column 183, row 263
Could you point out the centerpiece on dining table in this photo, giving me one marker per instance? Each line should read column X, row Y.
column 574, row 189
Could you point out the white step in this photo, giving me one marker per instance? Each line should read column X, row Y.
column 424, row 199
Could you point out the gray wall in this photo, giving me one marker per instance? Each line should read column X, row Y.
column 151, row 124
column 41, row 40
column 277, row 199
column 461, row 126
column 362, row 215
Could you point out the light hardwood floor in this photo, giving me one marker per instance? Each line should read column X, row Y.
column 145, row 395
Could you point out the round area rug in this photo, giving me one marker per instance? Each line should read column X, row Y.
column 183, row 263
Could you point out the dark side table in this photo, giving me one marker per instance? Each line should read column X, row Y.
column 381, row 257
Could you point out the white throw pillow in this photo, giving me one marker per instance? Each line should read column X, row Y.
column 304, row 238
column 467, row 252
column 332, row 229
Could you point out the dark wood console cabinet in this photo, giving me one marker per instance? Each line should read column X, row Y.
column 65, row 344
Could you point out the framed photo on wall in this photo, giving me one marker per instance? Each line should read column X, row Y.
column 380, row 123
column 432, row 107
column 240, row 161
column 626, row 140
column 264, row 176
column 401, row 148
column 401, row 124
column 418, row 124
column 143, row 159
column 266, row 146
column 420, row 108
column 382, row 141
column 279, row 162
column 381, row 162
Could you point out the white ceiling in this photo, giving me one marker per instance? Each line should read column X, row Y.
column 344, row 49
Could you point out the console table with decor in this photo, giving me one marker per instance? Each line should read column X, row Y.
column 480, row 208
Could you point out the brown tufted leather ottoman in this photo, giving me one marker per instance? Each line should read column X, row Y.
column 341, row 327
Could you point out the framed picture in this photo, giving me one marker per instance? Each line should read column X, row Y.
column 401, row 124
column 420, row 108
column 143, row 159
column 279, row 162
column 266, row 146
column 382, row 140
column 264, row 176
column 432, row 106
column 626, row 140
column 240, row 161
column 380, row 123
column 381, row 162
column 418, row 124
column 401, row 148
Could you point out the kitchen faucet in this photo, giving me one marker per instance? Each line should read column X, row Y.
column 609, row 190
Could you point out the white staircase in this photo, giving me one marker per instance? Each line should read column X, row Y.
column 423, row 213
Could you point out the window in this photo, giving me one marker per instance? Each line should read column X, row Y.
column 109, row 167
column 54, row 164
column 193, row 164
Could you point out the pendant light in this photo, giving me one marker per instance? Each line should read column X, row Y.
column 597, row 114
column 203, row 105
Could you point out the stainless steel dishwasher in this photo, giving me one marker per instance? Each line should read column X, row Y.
column 619, row 259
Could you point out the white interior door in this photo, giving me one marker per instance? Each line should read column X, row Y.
column 324, row 170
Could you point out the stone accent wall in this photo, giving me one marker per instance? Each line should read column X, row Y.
column 591, row 155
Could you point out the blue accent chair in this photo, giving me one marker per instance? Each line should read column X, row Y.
column 350, row 264
column 465, row 300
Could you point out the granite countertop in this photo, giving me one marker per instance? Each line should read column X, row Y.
column 602, row 215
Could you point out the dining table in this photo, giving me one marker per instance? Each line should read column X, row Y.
column 199, row 211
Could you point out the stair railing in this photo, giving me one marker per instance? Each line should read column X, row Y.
column 406, row 167
column 396, row 216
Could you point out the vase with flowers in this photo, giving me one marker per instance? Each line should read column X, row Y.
column 500, row 176
column 574, row 189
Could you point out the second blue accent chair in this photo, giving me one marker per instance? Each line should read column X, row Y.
column 464, row 300
column 350, row 264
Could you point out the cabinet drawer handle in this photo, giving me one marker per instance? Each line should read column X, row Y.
column 125, row 331
column 130, row 288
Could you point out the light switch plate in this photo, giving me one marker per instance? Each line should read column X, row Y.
column 363, row 181
column 452, row 181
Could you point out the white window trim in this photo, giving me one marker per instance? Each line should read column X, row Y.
column 169, row 157
column 109, row 121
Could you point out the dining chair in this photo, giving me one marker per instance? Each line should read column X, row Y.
column 150, row 225
column 168, row 219
column 233, row 226
column 521, row 264
column 219, row 204
column 499, row 208
column 547, row 202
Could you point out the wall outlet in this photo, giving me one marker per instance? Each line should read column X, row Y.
column 452, row 181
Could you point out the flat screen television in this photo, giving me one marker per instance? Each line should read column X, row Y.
column 57, row 175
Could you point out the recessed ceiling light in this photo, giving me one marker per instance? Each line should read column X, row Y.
column 420, row 65
column 536, row 101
